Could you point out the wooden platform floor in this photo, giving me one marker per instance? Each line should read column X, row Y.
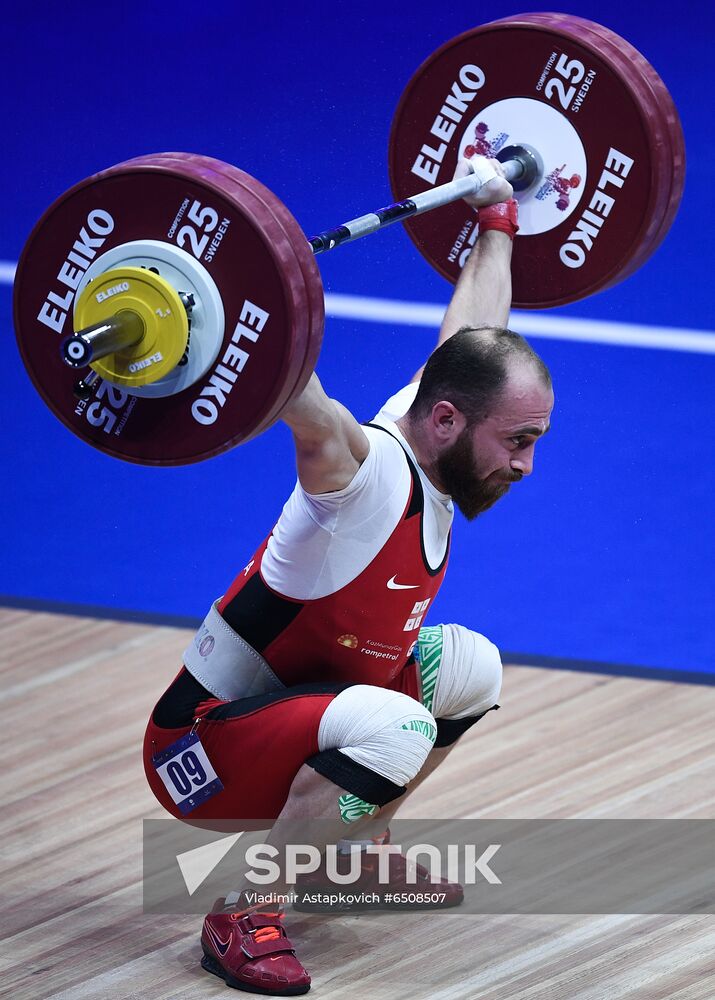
column 75, row 694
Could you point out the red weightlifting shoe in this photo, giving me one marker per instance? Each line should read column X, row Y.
column 409, row 887
column 503, row 217
column 250, row 951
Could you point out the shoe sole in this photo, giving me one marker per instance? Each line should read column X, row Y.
column 210, row 964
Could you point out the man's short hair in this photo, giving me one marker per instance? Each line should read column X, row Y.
column 470, row 370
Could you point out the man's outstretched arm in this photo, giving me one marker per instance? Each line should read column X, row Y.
column 330, row 445
column 482, row 296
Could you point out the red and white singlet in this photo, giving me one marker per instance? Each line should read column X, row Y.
column 340, row 588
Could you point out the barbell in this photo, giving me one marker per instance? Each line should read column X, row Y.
column 187, row 298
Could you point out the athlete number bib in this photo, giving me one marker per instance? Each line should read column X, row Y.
column 187, row 773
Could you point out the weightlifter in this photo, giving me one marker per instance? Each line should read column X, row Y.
column 313, row 688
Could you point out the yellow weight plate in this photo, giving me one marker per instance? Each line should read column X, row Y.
column 161, row 311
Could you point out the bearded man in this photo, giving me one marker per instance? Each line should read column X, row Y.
column 313, row 689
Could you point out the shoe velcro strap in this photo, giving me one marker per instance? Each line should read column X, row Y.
column 257, row 949
column 254, row 921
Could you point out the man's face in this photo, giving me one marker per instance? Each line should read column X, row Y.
column 488, row 457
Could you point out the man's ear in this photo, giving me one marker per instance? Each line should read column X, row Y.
column 447, row 421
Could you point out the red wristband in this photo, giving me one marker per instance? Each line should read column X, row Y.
column 503, row 217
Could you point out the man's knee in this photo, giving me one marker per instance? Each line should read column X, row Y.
column 461, row 674
column 373, row 742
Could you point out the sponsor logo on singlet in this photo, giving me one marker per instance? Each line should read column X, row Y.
column 351, row 641
column 382, row 650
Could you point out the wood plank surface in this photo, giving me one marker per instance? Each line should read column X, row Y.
column 75, row 694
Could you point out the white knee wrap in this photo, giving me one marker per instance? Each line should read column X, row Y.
column 461, row 671
column 386, row 731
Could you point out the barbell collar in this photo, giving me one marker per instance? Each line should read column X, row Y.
column 528, row 159
column 84, row 389
column 123, row 330
column 520, row 168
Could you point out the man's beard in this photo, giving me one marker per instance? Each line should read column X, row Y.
column 459, row 475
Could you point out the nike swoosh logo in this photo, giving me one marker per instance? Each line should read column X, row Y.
column 391, row 585
column 220, row 946
column 223, row 948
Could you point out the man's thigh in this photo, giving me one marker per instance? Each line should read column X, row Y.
column 256, row 746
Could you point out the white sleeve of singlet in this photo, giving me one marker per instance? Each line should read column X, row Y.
column 376, row 479
column 323, row 541
column 398, row 405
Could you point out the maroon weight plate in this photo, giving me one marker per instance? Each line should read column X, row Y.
column 667, row 135
column 316, row 297
column 258, row 261
column 595, row 112
column 664, row 128
column 255, row 197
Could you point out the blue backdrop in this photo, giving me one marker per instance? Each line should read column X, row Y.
column 604, row 555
